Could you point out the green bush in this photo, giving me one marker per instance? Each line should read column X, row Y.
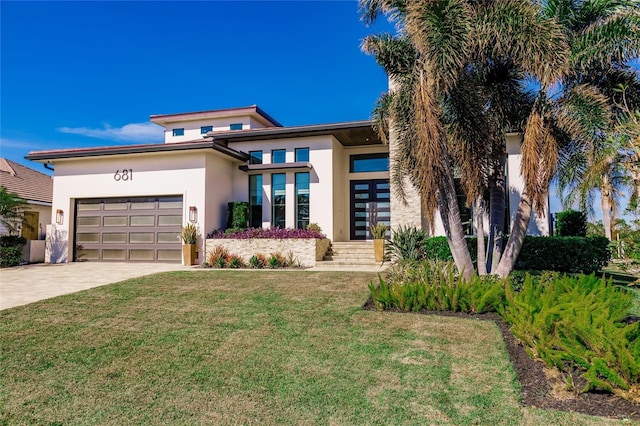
column 578, row 254
column 564, row 254
column 435, row 286
column 11, row 250
column 571, row 223
column 576, row 323
column 10, row 256
column 238, row 215
column 406, row 243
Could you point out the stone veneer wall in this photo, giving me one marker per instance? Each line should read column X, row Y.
column 306, row 250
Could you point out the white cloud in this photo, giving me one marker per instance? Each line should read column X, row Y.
column 133, row 132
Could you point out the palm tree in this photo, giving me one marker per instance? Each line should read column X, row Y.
column 11, row 209
column 603, row 36
column 446, row 110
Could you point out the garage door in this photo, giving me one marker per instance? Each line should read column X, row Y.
column 144, row 229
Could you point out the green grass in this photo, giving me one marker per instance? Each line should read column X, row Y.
column 247, row 347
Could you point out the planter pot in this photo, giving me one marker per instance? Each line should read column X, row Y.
column 378, row 249
column 188, row 254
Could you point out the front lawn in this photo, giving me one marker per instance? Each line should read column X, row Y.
column 249, row 347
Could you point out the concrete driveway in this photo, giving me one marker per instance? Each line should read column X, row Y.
column 27, row 284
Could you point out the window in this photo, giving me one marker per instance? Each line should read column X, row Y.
column 278, row 200
column 302, row 154
column 278, row 156
column 369, row 163
column 178, row 132
column 255, row 157
column 205, row 129
column 302, row 200
column 236, row 126
column 255, row 201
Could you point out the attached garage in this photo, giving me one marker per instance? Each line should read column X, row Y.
column 143, row 229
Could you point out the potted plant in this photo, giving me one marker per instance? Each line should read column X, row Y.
column 378, row 232
column 189, row 236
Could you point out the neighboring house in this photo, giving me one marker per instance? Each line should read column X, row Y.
column 127, row 203
column 37, row 189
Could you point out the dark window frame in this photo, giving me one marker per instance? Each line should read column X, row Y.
column 284, row 153
column 235, row 126
column 302, row 149
column 205, row 129
column 254, row 159
column 179, row 131
column 376, row 156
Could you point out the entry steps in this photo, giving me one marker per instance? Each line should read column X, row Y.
column 350, row 253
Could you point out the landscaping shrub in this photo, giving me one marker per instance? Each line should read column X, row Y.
column 218, row 256
column 11, row 250
column 571, row 223
column 10, row 256
column 564, row 254
column 435, row 286
column 238, row 215
column 406, row 243
column 258, row 261
column 578, row 254
column 577, row 323
column 276, row 233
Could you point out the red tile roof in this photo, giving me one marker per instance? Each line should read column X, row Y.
column 27, row 183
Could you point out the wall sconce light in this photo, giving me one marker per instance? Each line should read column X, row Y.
column 59, row 217
column 193, row 214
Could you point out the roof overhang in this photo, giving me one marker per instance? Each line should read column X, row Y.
column 253, row 110
column 47, row 156
column 288, row 167
column 353, row 133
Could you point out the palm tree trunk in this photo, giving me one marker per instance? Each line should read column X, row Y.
column 450, row 214
column 516, row 237
column 497, row 202
column 606, row 192
column 482, row 258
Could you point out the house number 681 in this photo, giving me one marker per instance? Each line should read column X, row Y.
column 124, row 175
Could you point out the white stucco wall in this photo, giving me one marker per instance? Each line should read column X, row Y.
column 539, row 224
column 192, row 127
column 320, row 179
column 188, row 174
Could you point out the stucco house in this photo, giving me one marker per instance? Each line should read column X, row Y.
column 36, row 189
column 127, row 203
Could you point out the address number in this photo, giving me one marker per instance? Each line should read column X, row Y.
column 123, row 175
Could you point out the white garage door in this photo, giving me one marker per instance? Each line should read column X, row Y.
column 143, row 229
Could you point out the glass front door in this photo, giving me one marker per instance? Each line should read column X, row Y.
column 370, row 203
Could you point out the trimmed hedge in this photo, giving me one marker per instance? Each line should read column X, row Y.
column 238, row 215
column 560, row 254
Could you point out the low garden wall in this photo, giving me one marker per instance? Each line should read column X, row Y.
column 307, row 251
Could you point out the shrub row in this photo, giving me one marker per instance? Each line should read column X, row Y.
column 560, row 254
column 276, row 233
column 572, row 323
column 219, row 257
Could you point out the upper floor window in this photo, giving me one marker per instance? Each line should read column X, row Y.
column 302, row 154
column 178, row 132
column 255, row 157
column 278, row 156
column 236, row 126
column 205, row 129
column 369, row 163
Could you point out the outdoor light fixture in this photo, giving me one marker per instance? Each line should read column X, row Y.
column 59, row 217
column 193, row 214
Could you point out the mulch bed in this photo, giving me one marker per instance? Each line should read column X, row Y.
column 537, row 389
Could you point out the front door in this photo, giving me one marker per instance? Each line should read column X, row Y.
column 30, row 225
column 370, row 203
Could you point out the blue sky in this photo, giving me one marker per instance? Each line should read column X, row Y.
column 81, row 74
